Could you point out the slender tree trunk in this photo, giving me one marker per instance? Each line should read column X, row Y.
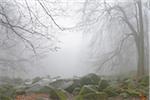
column 147, row 53
column 147, row 42
column 140, row 43
column 141, row 64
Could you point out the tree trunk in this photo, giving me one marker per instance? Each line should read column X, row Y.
column 140, row 43
column 147, row 13
column 141, row 64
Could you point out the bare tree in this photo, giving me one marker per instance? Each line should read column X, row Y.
column 27, row 30
column 130, row 15
column 25, row 25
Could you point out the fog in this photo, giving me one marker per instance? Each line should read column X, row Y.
column 68, row 61
column 72, row 38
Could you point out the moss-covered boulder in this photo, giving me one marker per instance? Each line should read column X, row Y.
column 76, row 84
column 36, row 79
column 57, row 94
column 76, row 91
column 88, row 89
column 7, row 92
column 45, row 89
column 90, row 79
column 144, row 81
column 103, row 84
column 111, row 91
column 93, row 96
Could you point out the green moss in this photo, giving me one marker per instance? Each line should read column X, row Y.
column 87, row 89
column 57, row 94
column 103, row 84
column 7, row 92
column 93, row 96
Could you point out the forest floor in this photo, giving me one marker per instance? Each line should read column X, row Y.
column 42, row 96
column 38, row 96
column 89, row 87
column 33, row 96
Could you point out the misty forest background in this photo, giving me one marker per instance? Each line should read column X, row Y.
column 69, row 39
column 110, row 36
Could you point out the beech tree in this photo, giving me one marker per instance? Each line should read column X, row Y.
column 130, row 18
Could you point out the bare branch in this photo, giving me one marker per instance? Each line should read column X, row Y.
column 19, row 35
column 49, row 15
column 117, row 51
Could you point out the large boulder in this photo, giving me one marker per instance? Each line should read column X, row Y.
column 103, row 84
column 88, row 89
column 90, row 79
column 61, row 84
column 76, row 84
